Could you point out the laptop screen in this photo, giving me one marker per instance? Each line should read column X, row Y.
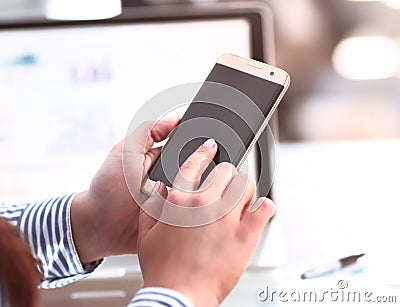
column 69, row 92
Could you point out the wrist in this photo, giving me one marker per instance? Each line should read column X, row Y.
column 84, row 233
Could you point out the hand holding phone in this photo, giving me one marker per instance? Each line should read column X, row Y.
column 233, row 106
column 204, row 263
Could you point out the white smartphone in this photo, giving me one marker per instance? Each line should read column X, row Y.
column 233, row 106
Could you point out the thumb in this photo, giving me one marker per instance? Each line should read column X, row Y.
column 152, row 208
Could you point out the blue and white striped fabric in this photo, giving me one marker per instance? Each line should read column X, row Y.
column 159, row 297
column 46, row 227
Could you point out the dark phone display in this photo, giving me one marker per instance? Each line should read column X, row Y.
column 230, row 107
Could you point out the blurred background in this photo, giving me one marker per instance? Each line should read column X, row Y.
column 343, row 56
column 344, row 60
column 337, row 165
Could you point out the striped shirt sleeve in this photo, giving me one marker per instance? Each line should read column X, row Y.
column 159, row 297
column 46, row 227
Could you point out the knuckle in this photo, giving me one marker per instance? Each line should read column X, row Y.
column 201, row 154
column 187, row 199
column 189, row 164
column 201, row 150
column 200, row 199
column 226, row 167
column 175, row 197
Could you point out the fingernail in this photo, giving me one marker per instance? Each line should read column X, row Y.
column 156, row 188
column 209, row 143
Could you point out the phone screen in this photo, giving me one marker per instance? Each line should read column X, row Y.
column 230, row 107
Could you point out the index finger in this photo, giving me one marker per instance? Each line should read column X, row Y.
column 189, row 175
